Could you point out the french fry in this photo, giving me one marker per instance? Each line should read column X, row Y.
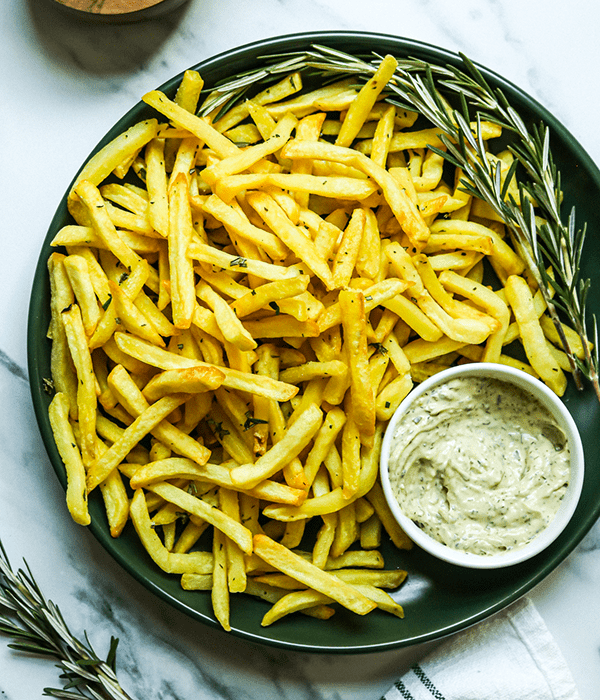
column 238, row 263
column 302, row 570
column 409, row 312
column 380, row 578
column 156, row 182
column 180, row 233
column 362, row 396
column 250, row 156
column 110, row 156
column 294, row 602
column 95, row 206
column 383, row 135
column 134, row 402
column 86, row 381
column 277, row 220
column 116, row 502
column 142, row 425
column 230, row 326
column 377, row 499
column 237, row 223
column 543, row 362
column 368, row 259
column 61, row 365
column 486, row 299
column 220, row 590
column 69, row 452
column 234, row 379
column 363, row 104
column 196, row 506
column 200, row 128
column 502, row 254
column 348, row 249
column 171, row 562
column 296, row 438
column 81, row 283
column 190, row 380
column 236, row 571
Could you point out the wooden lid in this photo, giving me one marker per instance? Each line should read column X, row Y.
column 119, row 9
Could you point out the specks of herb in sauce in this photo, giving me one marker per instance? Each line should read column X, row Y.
column 475, row 463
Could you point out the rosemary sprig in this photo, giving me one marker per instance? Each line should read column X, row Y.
column 534, row 222
column 37, row 626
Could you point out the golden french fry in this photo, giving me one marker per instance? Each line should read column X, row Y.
column 156, row 182
column 86, row 381
column 520, row 298
column 236, row 570
column 244, row 381
column 269, row 295
column 62, row 431
column 383, row 135
column 81, row 282
column 296, row 438
column 277, row 220
column 502, row 254
column 242, row 160
column 230, row 326
column 368, row 260
column 486, row 299
column 297, row 567
column 294, row 602
column 196, row 506
column 348, row 249
column 134, row 402
column 131, row 318
column 190, row 380
column 220, row 590
column 195, row 125
column 238, row 263
column 363, row 104
column 362, row 396
column 171, row 562
column 392, row 395
column 237, row 223
column 142, row 425
column 116, row 502
column 62, row 370
column 100, row 165
column 95, row 206
column 180, row 233
column 397, row 535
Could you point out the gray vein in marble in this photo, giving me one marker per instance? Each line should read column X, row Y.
column 15, row 369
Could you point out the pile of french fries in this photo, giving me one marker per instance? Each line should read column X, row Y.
column 238, row 309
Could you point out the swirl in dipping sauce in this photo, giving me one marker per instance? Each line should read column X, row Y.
column 479, row 465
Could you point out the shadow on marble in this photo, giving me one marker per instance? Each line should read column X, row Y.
column 98, row 48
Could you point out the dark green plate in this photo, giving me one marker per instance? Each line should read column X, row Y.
column 438, row 598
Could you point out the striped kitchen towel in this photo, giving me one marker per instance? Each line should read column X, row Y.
column 511, row 656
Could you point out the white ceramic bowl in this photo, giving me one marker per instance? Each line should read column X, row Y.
column 568, row 504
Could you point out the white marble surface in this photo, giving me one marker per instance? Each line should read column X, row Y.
column 64, row 85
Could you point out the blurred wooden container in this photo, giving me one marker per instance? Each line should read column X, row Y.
column 117, row 11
